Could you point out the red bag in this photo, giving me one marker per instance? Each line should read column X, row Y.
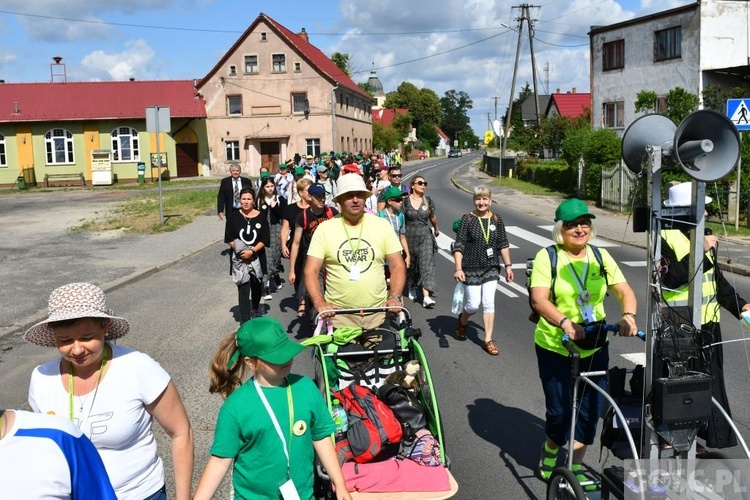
column 374, row 431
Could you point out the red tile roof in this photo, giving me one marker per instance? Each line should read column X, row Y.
column 313, row 55
column 385, row 116
column 571, row 105
column 441, row 133
column 37, row 102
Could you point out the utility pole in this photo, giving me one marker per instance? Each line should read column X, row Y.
column 495, row 98
column 525, row 16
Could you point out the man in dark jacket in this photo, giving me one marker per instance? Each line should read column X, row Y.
column 228, row 199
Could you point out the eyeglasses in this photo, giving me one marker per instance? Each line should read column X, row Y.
column 421, row 183
column 585, row 224
column 396, row 175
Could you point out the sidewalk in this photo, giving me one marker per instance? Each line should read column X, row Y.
column 613, row 226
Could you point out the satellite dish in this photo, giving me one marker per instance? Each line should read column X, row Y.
column 498, row 128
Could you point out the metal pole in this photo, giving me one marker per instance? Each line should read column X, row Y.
column 739, row 190
column 512, row 91
column 158, row 166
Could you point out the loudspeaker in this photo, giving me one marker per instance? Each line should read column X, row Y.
column 648, row 130
column 681, row 400
column 707, row 145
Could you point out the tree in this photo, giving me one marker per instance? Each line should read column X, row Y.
column 366, row 87
column 553, row 131
column 402, row 124
column 343, row 61
column 423, row 104
column 516, row 120
column 454, row 107
column 385, row 138
column 680, row 103
column 428, row 135
column 715, row 97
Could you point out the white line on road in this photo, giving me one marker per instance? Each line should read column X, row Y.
column 529, row 236
column 637, row 358
column 634, row 263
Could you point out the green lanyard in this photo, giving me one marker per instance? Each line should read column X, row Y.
column 486, row 233
column 70, row 383
column 355, row 251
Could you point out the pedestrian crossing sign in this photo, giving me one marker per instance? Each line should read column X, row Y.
column 738, row 111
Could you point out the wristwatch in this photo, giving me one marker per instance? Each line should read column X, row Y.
column 400, row 298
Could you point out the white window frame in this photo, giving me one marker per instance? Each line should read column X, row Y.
column 3, row 157
column 229, row 105
column 248, row 58
column 278, row 66
column 613, row 114
column 119, row 137
column 232, row 150
column 298, row 102
column 59, row 141
column 313, row 146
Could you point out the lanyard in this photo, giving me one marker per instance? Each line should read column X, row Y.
column 395, row 225
column 486, row 233
column 70, row 383
column 581, row 283
column 355, row 251
column 276, row 425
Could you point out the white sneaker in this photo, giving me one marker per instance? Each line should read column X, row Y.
column 267, row 297
column 412, row 294
column 279, row 286
column 428, row 302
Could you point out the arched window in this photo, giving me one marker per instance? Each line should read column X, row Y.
column 59, row 144
column 125, row 144
column 3, row 158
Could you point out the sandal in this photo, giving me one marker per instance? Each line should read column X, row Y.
column 491, row 348
column 461, row 330
column 547, row 462
column 593, row 484
column 301, row 309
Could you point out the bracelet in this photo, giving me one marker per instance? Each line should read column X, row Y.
column 400, row 298
column 509, row 264
column 563, row 320
column 632, row 315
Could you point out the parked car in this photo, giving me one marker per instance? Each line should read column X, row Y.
column 421, row 155
column 454, row 153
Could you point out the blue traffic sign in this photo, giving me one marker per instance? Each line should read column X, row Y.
column 738, row 111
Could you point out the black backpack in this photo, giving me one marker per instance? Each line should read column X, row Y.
column 552, row 252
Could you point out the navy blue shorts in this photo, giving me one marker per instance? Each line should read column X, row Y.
column 554, row 372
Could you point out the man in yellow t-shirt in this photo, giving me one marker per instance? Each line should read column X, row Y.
column 354, row 247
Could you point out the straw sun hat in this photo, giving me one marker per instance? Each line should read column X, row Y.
column 73, row 301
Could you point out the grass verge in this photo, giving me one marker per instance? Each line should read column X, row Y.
column 140, row 214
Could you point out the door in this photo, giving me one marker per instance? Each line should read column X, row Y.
column 269, row 156
column 187, row 159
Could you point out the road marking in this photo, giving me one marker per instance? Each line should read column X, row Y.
column 637, row 358
column 529, row 236
column 634, row 263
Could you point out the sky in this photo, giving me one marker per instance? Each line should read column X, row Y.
column 461, row 45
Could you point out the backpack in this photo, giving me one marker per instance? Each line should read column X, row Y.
column 328, row 211
column 374, row 431
column 552, row 252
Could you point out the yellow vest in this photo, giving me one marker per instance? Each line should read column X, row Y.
column 680, row 245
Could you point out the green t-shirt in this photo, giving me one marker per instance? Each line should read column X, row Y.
column 567, row 291
column 245, row 433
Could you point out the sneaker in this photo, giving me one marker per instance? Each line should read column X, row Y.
column 547, row 462
column 412, row 294
column 268, row 296
column 279, row 286
column 428, row 302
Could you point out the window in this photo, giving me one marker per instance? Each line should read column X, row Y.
column 613, row 55
column 300, row 103
column 667, row 44
column 59, row 144
column 234, row 105
column 125, row 144
column 297, row 67
column 232, row 70
column 279, row 63
column 613, row 114
column 251, row 64
column 263, row 36
column 3, row 158
column 313, row 147
column 233, row 150
column 661, row 105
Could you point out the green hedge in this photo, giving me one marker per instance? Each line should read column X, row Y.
column 556, row 175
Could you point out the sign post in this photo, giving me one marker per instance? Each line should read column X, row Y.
column 739, row 114
column 157, row 121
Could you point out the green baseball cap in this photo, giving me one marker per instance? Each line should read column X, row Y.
column 392, row 192
column 572, row 209
column 299, row 171
column 265, row 175
column 265, row 338
column 282, row 166
column 456, row 225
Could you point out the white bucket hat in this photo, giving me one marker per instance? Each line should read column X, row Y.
column 350, row 183
column 681, row 195
column 73, row 301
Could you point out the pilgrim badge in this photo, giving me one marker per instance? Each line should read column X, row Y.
column 299, row 427
column 583, row 298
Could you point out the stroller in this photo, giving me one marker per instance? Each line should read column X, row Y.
column 367, row 357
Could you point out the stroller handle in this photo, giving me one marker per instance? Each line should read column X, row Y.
column 364, row 310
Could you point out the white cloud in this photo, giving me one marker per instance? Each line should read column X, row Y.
column 135, row 60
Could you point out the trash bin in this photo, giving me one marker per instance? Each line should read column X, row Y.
column 141, row 173
column 21, row 181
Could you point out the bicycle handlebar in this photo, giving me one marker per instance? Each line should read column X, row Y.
column 607, row 327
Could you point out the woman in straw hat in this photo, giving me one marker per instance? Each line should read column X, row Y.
column 112, row 393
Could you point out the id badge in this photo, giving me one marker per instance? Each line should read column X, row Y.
column 587, row 312
column 288, row 491
column 490, row 253
column 354, row 273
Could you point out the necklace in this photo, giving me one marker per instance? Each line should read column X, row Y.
column 96, row 387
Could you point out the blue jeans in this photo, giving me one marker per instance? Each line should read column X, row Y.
column 159, row 495
column 554, row 372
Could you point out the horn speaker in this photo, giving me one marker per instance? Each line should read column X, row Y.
column 706, row 144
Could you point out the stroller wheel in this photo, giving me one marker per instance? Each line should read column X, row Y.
column 563, row 484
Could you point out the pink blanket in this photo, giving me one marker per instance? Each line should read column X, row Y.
column 394, row 475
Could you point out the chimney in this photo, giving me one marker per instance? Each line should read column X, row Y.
column 303, row 35
column 574, row 90
column 557, row 91
column 131, row 79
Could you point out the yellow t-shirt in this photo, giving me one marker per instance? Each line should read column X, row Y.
column 366, row 245
column 567, row 291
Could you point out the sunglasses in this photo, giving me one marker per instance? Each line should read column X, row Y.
column 585, row 224
column 421, row 183
column 396, row 175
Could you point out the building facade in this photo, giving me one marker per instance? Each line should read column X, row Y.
column 273, row 95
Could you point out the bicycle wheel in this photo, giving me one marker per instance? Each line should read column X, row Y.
column 563, row 484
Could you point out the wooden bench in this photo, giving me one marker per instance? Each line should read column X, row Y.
column 73, row 176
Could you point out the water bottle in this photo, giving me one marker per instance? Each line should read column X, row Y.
column 339, row 418
column 458, row 299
